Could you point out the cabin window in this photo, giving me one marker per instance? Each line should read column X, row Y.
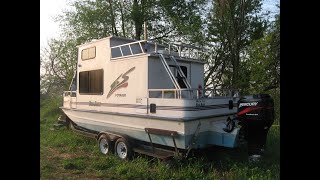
column 88, row 53
column 178, row 77
column 91, row 82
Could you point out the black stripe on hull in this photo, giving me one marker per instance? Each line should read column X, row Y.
column 169, row 108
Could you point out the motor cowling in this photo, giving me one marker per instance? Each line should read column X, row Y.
column 258, row 107
column 255, row 115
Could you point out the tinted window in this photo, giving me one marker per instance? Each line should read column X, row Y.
column 91, row 82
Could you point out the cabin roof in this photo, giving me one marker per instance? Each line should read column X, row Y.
column 93, row 41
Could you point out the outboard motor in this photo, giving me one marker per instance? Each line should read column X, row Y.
column 255, row 115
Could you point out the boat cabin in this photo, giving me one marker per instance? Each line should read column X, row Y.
column 115, row 73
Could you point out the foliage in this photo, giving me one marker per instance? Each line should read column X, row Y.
column 233, row 31
column 58, row 61
column 97, row 19
column 49, row 107
column 264, row 60
column 88, row 20
column 232, row 26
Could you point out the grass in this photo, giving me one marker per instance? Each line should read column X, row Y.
column 67, row 155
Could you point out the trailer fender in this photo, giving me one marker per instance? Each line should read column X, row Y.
column 114, row 136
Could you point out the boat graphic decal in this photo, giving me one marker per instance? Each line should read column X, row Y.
column 123, row 84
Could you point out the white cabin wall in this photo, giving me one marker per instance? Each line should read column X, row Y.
column 102, row 54
column 158, row 76
column 137, row 82
column 149, row 73
column 99, row 62
column 112, row 69
column 197, row 75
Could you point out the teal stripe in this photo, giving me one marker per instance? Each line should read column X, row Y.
column 205, row 139
column 136, row 134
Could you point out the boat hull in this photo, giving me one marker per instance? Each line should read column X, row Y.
column 210, row 131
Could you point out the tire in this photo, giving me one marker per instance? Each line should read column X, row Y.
column 123, row 149
column 105, row 145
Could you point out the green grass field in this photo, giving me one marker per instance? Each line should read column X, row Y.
column 67, row 155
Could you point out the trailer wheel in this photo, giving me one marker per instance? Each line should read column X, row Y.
column 123, row 149
column 105, row 144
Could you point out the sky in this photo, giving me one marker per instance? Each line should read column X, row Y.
column 49, row 28
column 50, row 8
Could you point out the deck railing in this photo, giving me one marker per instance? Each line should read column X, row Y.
column 128, row 49
column 192, row 93
column 144, row 47
column 70, row 93
column 185, row 50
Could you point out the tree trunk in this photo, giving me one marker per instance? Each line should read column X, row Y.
column 122, row 20
column 137, row 17
column 113, row 24
column 138, row 29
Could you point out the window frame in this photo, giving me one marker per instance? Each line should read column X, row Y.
column 90, row 93
column 95, row 53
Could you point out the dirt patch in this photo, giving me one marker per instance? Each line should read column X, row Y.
column 53, row 153
column 64, row 155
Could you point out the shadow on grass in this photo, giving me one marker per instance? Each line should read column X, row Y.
column 220, row 162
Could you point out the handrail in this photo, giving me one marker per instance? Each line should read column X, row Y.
column 69, row 93
column 191, row 52
column 167, row 68
column 196, row 93
column 180, row 72
column 130, row 48
column 136, row 42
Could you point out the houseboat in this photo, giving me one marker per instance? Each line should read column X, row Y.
column 141, row 96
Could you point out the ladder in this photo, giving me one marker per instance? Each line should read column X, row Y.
column 166, row 66
column 179, row 70
column 182, row 75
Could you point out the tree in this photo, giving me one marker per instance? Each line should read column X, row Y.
column 58, row 62
column 264, row 60
column 99, row 18
column 233, row 25
column 88, row 19
column 96, row 19
column 227, row 30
